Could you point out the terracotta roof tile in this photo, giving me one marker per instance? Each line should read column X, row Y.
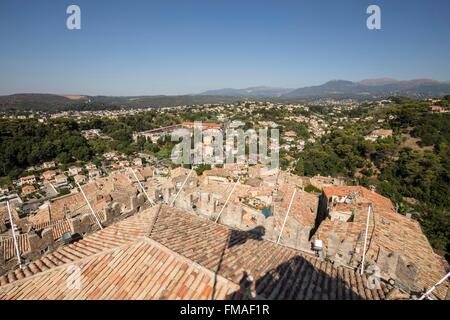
column 231, row 252
column 170, row 254
column 389, row 232
column 9, row 250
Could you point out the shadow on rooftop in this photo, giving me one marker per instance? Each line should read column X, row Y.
column 295, row 279
column 236, row 238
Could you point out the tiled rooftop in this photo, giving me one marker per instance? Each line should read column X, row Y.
column 389, row 232
column 168, row 253
column 118, row 187
column 59, row 227
column 280, row 272
column 138, row 270
column 127, row 231
column 304, row 205
column 9, row 250
column 365, row 194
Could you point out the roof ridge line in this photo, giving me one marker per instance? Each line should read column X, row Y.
column 303, row 251
column 186, row 259
column 154, row 219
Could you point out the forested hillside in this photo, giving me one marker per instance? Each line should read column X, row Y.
column 412, row 167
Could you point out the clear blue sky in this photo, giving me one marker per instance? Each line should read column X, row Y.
column 188, row 46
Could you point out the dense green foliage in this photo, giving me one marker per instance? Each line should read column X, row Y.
column 28, row 142
column 417, row 180
column 412, row 167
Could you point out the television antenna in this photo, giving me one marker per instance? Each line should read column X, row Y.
column 13, row 227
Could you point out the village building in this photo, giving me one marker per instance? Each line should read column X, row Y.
column 48, row 165
column 204, row 125
column 26, row 180
column 116, row 166
column 90, row 134
column 79, row 178
column 379, row 134
column 290, row 134
column 155, row 134
column 146, row 172
column 112, row 155
column 439, row 109
column 94, row 174
column 28, row 189
column 137, row 162
column 4, row 190
column 61, row 180
column 90, row 166
column 236, row 169
column 124, row 163
column 49, row 175
column 265, row 224
column 215, row 260
column 396, row 243
column 320, row 182
column 74, row 170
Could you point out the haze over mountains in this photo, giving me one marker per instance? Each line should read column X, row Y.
column 250, row 92
column 365, row 90
column 370, row 88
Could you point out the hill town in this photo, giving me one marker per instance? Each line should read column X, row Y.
column 352, row 212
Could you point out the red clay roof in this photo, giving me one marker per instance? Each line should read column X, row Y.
column 169, row 253
column 365, row 194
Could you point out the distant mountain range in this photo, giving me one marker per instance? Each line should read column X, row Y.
column 365, row 90
column 249, row 92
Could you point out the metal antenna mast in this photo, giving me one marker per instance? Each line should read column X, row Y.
column 287, row 213
column 184, row 182
column 229, row 196
column 142, row 187
column 89, row 205
column 434, row 287
column 365, row 238
column 16, row 246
